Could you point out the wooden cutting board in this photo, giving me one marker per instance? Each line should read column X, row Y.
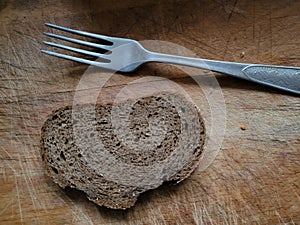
column 255, row 178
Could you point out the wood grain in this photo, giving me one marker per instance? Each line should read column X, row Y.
column 255, row 178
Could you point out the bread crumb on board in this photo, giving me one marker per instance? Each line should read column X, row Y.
column 243, row 127
column 242, row 55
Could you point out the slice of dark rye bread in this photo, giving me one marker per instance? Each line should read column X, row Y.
column 114, row 152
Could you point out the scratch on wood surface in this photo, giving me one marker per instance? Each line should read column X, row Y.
column 197, row 215
column 271, row 33
column 9, row 204
column 226, row 208
column 226, row 47
column 280, row 219
column 232, row 10
column 9, row 157
column 14, row 64
column 77, row 216
column 11, row 47
column 19, row 200
column 200, row 213
column 298, row 196
column 253, row 20
column 153, row 216
column 177, row 204
column 30, row 186
column 78, row 213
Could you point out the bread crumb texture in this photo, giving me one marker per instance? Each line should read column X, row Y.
column 115, row 152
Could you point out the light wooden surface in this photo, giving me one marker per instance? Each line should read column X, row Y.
column 255, row 179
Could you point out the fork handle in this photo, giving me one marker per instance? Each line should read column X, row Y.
column 281, row 77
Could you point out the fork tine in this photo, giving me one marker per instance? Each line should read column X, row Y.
column 83, row 33
column 85, row 52
column 81, row 42
column 76, row 59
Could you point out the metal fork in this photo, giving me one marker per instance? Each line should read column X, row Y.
column 126, row 55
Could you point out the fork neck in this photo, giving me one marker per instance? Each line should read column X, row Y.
column 213, row 65
column 178, row 60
